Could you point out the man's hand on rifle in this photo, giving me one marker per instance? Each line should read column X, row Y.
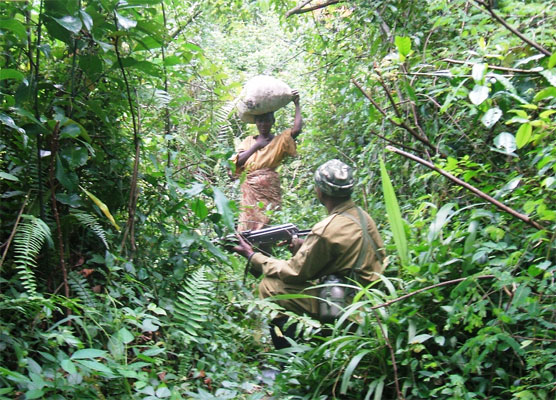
column 243, row 248
column 295, row 244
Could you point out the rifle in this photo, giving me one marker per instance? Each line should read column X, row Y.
column 272, row 234
column 261, row 237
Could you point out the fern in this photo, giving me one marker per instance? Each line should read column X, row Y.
column 192, row 306
column 91, row 222
column 222, row 117
column 28, row 242
column 80, row 287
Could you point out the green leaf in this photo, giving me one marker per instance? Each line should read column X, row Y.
column 394, row 214
column 125, row 336
column 9, row 177
column 223, row 206
column 8, row 121
column 67, row 179
column 124, row 22
column 523, row 135
column 491, row 117
column 478, row 73
column 403, row 44
column 348, row 373
column 8, row 73
column 552, row 61
column 16, row 27
column 96, row 366
column 71, row 23
column 88, row 353
column 420, row 338
column 34, row 394
column 199, row 207
column 545, row 93
column 87, row 20
column 550, row 75
column 442, row 217
column 68, row 366
column 75, row 156
column 478, row 94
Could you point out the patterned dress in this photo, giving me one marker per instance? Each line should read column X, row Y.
column 261, row 190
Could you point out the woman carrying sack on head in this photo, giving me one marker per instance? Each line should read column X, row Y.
column 259, row 156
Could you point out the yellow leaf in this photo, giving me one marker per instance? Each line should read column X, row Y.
column 102, row 207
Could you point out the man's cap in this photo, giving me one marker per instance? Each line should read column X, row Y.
column 335, row 178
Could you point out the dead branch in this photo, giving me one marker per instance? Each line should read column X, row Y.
column 512, row 29
column 7, row 244
column 494, row 67
column 473, row 189
column 300, row 10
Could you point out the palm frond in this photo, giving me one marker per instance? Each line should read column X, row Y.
column 223, row 116
column 91, row 222
column 28, row 242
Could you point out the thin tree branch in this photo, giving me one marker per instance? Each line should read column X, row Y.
column 494, row 67
column 512, row 29
column 392, row 355
column 446, row 283
column 133, row 186
column 401, row 124
column 7, row 244
column 54, row 150
column 473, row 189
column 300, row 10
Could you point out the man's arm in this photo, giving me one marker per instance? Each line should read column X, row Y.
column 298, row 121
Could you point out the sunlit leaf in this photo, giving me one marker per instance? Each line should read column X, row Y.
column 88, row 353
column 124, row 22
column 523, row 135
column 71, row 23
column 102, row 207
column 478, row 73
column 478, row 94
column 545, row 93
column 16, row 27
column 8, row 73
column 491, row 117
column 394, row 214
column 403, row 44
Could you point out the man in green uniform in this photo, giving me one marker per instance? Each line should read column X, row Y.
column 345, row 244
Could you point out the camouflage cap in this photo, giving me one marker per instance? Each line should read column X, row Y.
column 335, row 178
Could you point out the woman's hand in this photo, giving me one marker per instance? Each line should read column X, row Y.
column 262, row 141
column 295, row 95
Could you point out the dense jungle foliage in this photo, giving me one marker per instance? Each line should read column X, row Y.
column 116, row 130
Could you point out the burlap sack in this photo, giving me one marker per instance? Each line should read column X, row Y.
column 262, row 94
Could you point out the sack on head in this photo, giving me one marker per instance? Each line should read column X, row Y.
column 260, row 95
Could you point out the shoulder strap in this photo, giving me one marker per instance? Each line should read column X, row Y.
column 366, row 240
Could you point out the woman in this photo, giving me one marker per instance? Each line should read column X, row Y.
column 259, row 156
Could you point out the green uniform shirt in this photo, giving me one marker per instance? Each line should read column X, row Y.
column 332, row 247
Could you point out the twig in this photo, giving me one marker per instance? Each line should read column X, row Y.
column 301, row 10
column 473, row 189
column 512, row 29
column 401, row 124
column 7, row 244
column 446, row 283
column 133, row 187
column 494, row 67
column 392, row 355
column 54, row 150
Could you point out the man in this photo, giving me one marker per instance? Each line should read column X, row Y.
column 345, row 244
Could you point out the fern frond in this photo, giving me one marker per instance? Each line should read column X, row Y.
column 192, row 306
column 222, row 117
column 91, row 222
column 28, row 242
column 80, row 286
